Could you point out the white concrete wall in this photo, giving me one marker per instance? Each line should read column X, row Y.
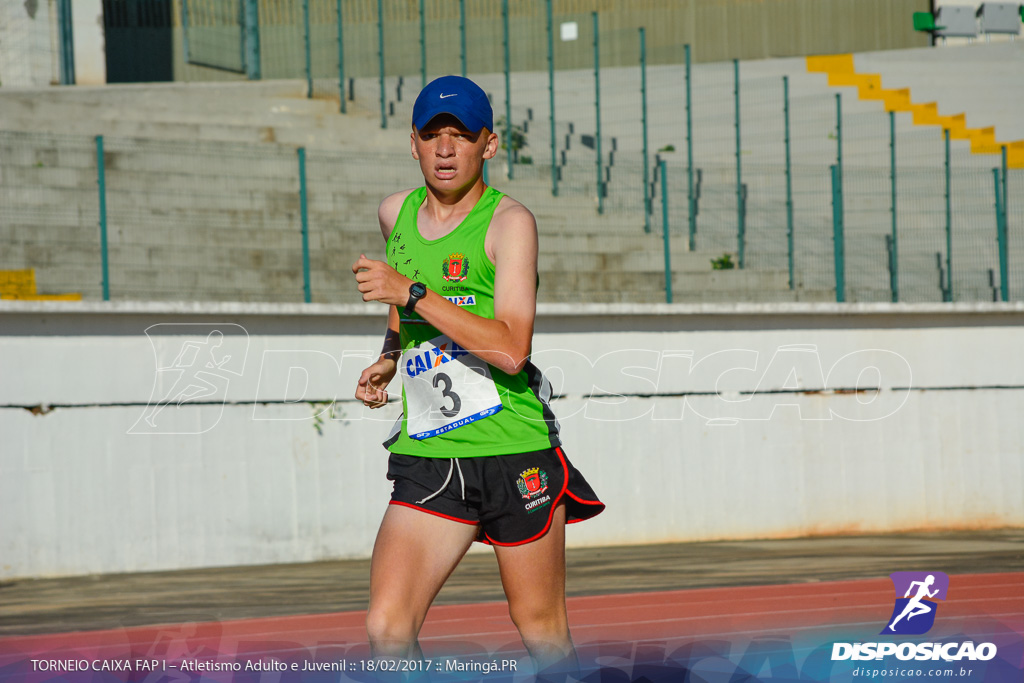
column 692, row 423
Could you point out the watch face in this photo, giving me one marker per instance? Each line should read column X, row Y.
column 418, row 290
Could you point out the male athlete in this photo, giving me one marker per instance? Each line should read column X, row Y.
column 476, row 454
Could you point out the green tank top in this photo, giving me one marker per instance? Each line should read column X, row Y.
column 454, row 404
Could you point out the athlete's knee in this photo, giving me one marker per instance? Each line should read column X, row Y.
column 390, row 631
column 540, row 622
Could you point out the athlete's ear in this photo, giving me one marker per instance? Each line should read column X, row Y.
column 412, row 142
column 492, row 146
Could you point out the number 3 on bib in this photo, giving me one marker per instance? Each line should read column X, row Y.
column 446, row 387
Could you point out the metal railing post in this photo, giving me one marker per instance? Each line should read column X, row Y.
column 838, row 239
column 101, row 181
column 789, row 182
column 67, row 42
column 304, row 213
column 1004, row 275
column 185, row 51
column 309, row 55
column 341, row 59
column 664, row 230
column 423, row 44
column 508, row 91
column 462, row 35
column 643, row 122
column 551, row 98
column 253, row 67
column 894, row 261
column 948, row 293
column 838, row 214
column 741, row 212
column 691, row 200
column 380, row 58
column 839, row 132
column 597, row 114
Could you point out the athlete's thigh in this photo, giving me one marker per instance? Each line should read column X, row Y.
column 413, row 555
column 533, row 574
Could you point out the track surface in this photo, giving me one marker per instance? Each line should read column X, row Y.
column 638, row 624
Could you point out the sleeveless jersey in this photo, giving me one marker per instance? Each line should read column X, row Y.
column 454, row 404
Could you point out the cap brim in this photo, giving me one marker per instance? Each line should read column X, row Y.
column 469, row 121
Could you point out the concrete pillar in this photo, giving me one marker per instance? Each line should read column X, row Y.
column 90, row 45
column 27, row 43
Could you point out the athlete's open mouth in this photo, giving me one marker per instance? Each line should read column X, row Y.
column 444, row 171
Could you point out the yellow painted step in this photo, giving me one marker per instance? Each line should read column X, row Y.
column 842, row 72
column 981, row 138
column 77, row 296
column 1015, row 154
column 21, row 284
column 926, row 114
column 831, row 64
column 871, row 88
column 956, row 125
column 17, row 282
column 897, row 100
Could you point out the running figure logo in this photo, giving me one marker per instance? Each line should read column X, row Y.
column 914, row 612
column 193, row 365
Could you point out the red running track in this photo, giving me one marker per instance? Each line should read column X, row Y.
column 793, row 611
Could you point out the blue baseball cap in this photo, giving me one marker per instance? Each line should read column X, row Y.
column 455, row 95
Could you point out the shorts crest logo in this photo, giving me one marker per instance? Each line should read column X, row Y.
column 532, row 482
column 455, row 268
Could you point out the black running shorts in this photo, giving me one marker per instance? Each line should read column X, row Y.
column 511, row 498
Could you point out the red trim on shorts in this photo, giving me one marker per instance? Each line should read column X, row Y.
column 582, row 502
column 432, row 512
column 551, row 514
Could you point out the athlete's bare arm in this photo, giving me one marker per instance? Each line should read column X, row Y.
column 504, row 342
column 387, row 212
column 373, row 382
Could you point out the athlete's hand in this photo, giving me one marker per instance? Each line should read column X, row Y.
column 380, row 282
column 371, row 388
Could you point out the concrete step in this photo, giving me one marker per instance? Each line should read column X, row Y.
column 200, row 198
column 981, row 80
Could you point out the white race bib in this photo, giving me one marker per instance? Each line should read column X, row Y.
column 446, row 387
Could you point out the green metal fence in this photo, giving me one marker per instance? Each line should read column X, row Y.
column 145, row 219
column 729, row 180
column 214, row 33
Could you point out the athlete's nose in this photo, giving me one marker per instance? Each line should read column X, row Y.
column 445, row 148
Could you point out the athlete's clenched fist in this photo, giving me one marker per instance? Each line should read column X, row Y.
column 380, row 282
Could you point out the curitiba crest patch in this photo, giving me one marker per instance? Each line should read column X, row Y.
column 532, row 482
column 455, row 268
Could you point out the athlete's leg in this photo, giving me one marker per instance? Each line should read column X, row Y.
column 919, row 609
column 413, row 555
column 907, row 609
column 533, row 576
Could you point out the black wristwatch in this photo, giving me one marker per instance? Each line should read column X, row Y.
column 417, row 291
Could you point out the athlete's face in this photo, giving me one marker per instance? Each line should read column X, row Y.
column 451, row 157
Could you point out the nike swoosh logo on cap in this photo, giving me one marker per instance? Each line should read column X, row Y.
column 442, row 96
